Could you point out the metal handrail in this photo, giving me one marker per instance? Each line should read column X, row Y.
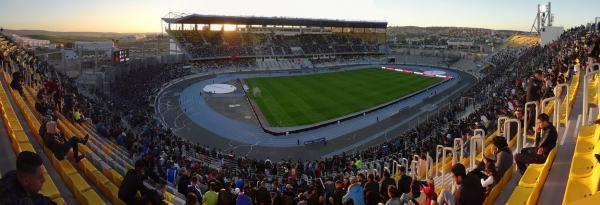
column 461, row 145
column 556, row 112
column 499, row 127
column 585, row 113
column 526, row 115
column 475, row 140
column 559, row 102
column 507, row 133
column 438, row 150
column 429, row 166
column 444, row 159
column 480, row 132
column 416, row 168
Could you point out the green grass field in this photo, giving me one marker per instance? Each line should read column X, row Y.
column 303, row 100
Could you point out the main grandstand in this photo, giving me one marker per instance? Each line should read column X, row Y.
column 271, row 37
column 311, row 111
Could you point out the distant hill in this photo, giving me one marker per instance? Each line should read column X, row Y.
column 70, row 37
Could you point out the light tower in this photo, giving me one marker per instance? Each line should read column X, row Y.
column 544, row 18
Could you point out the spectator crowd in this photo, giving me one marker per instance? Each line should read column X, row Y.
column 519, row 76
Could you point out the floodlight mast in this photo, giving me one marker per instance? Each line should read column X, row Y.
column 543, row 18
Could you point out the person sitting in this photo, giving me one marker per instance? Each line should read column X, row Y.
column 21, row 186
column 58, row 144
column 211, row 197
column 491, row 178
column 545, row 142
column 355, row 193
column 133, row 182
column 371, row 184
column 226, row 197
column 190, row 199
column 468, row 191
column 428, row 189
column 16, row 83
column 404, row 182
column 195, row 188
column 503, row 156
column 394, row 196
column 77, row 116
column 385, row 182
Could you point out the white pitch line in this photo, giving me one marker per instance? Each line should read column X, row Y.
column 562, row 141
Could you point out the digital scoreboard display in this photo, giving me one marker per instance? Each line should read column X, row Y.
column 121, row 56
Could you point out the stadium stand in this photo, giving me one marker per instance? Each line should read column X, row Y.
column 123, row 134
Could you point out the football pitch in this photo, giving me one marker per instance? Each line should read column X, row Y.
column 290, row 101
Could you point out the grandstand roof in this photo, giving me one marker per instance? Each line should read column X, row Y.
column 255, row 20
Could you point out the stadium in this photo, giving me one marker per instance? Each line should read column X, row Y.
column 235, row 109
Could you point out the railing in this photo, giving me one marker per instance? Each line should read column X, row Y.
column 584, row 119
column 458, row 142
column 564, row 86
column 526, row 115
column 429, row 166
column 500, row 127
column 479, row 132
column 507, row 133
column 444, row 159
column 438, row 151
column 415, row 165
column 556, row 112
column 475, row 140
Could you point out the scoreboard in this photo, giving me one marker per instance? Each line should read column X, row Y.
column 121, row 56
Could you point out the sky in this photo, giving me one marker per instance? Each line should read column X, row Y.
column 134, row 16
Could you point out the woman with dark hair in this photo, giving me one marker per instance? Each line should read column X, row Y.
column 503, row 156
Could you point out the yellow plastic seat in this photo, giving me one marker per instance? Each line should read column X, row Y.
column 586, row 148
column 66, row 168
column 26, row 146
column 87, row 167
column 113, row 194
column 98, row 178
column 578, row 188
column 588, row 131
column 49, row 188
column 582, row 166
column 531, row 176
column 76, row 182
column 90, row 197
column 59, row 201
column 594, row 199
column 520, row 196
column 20, row 136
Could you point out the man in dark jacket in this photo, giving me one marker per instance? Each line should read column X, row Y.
column 385, row 182
column 184, row 182
column 21, row 187
column 262, row 195
column 336, row 198
column 133, row 182
column 195, row 188
column 225, row 196
column 469, row 191
column 543, row 145
column 404, row 182
column 371, row 184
